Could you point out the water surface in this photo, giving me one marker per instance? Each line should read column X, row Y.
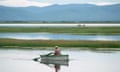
column 16, row 60
column 56, row 36
column 60, row 25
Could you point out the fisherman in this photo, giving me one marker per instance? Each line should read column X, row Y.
column 57, row 51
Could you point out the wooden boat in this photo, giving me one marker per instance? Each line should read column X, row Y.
column 54, row 57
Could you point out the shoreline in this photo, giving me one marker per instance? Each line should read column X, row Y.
column 63, row 48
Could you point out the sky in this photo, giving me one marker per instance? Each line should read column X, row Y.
column 43, row 3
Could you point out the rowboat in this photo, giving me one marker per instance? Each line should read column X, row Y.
column 65, row 62
column 55, row 57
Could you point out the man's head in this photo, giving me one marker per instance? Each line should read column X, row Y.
column 56, row 47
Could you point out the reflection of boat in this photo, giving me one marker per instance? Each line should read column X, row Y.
column 56, row 60
column 54, row 57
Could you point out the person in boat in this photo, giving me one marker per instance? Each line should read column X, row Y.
column 57, row 51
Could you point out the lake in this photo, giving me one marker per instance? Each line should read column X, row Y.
column 18, row 60
column 57, row 36
column 60, row 25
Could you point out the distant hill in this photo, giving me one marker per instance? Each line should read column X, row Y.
column 70, row 12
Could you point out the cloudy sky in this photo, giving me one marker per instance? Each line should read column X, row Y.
column 42, row 3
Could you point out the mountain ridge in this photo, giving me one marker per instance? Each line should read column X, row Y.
column 70, row 12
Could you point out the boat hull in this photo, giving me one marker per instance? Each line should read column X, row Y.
column 54, row 57
column 63, row 62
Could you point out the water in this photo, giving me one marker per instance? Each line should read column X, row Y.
column 52, row 36
column 59, row 25
column 16, row 60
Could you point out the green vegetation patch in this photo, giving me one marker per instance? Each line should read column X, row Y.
column 71, row 30
column 61, row 43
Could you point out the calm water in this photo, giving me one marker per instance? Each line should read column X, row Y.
column 80, row 61
column 52, row 36
column 58, row 25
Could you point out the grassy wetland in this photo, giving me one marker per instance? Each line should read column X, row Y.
column 15, row 43
column 71, row 30
column 10, row 43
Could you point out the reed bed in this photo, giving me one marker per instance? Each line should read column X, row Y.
column 71, row 30
column 61, row 43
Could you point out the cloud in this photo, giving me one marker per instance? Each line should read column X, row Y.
column 103, row 3
column 25, row 3
column 22, row 3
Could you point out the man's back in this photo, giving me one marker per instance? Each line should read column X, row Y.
column 57, row 51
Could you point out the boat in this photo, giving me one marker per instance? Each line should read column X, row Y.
column 65, row 62
column 54, row 57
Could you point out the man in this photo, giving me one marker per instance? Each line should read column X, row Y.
column 57, row 51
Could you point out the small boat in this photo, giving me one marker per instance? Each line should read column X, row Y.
column 54, row 57
column 65, row 62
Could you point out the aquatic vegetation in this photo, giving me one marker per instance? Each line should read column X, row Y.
column 62, row 43
column 71, row 30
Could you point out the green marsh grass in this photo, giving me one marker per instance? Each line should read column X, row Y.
column 61, row 43
column 71, row 30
